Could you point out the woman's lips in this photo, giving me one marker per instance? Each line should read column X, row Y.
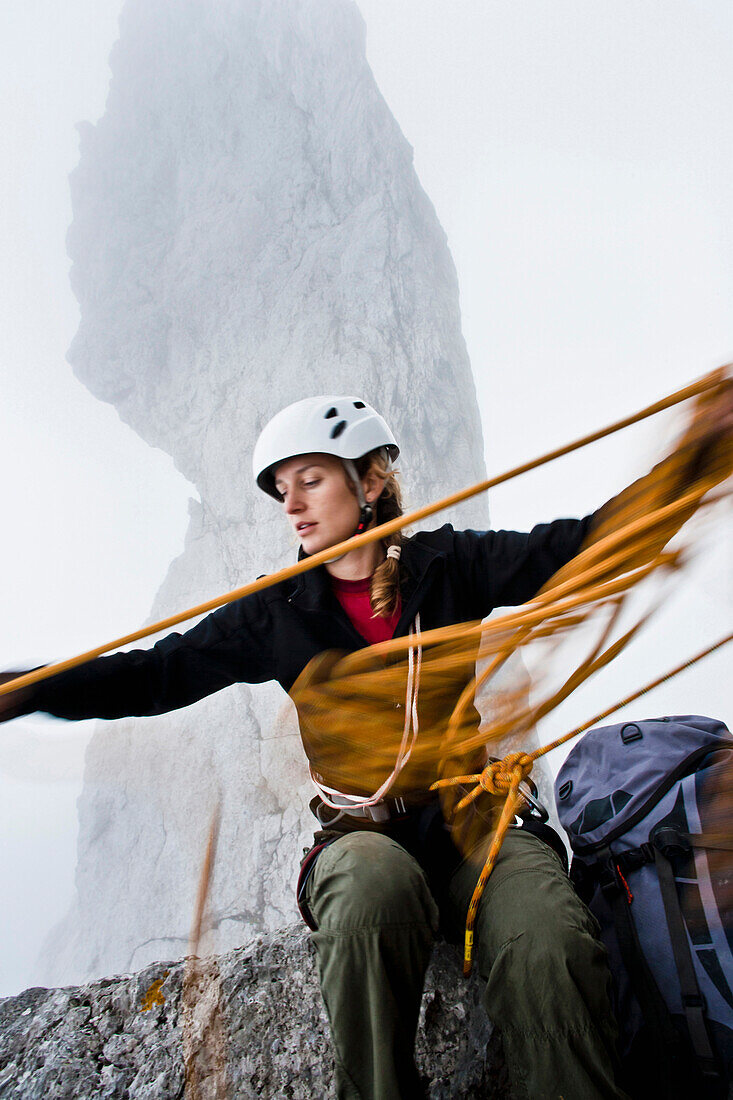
column 305, row 528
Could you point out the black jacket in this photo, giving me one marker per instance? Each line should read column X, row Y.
column 448, row 576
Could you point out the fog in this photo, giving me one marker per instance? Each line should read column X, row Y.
column 579, row 159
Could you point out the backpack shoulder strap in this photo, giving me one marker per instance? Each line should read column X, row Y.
column 663, row 1036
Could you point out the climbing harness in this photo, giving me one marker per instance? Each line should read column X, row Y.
column 375, row 807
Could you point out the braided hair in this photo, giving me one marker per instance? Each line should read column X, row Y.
column 384, row 593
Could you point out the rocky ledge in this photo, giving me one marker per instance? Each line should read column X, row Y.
column 246, row 1024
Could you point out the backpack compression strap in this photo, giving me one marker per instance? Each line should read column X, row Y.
column 664, row 1037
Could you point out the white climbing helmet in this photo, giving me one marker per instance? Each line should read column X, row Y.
column 342, row 426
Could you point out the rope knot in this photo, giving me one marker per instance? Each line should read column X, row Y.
column 499, row 776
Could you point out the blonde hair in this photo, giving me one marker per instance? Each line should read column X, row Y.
column 384, row 594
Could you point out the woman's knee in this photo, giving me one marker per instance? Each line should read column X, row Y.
column 535, row 937
column 549, row 966
column 366, row 880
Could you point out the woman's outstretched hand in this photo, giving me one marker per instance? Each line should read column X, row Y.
column 15, row 702
column 706, row 449
column 701, row 460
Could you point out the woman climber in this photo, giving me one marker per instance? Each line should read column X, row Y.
column 385, row 874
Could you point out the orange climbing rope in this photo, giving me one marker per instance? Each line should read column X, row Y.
column 626, row 546
column 337, row 696
column 353, row 701
column 504, row 777
column 708, row 383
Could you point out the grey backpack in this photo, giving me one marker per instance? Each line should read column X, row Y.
column 644, row 806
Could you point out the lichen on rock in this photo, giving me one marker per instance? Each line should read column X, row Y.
column 248, row 1025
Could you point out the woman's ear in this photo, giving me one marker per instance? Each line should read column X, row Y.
column 372, row 485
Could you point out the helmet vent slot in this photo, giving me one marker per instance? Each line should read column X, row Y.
column 337, row 429
column 359, row 405
column 330, row 414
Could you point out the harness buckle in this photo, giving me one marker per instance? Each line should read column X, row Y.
column 377, row 813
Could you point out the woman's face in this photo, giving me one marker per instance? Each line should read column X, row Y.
column 318, row 500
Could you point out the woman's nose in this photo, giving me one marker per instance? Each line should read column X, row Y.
column 293, row 504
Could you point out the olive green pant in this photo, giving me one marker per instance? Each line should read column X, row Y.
column 535, row 946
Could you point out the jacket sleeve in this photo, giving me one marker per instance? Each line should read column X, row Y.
column 507, row 568
column 231, row 645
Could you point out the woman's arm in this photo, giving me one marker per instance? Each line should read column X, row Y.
column 232, row 645
column 507, row 568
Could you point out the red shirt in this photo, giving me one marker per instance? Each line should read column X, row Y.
column 354, row 598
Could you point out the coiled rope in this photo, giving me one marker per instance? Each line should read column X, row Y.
column 504, row 777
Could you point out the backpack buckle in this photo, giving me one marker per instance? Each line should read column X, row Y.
column 634, row 858
column 608, row 878
column 672, row 843
column 611, row 880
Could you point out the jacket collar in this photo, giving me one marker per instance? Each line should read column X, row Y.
column 312, row 591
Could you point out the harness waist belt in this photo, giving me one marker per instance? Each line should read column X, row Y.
column 380, row 811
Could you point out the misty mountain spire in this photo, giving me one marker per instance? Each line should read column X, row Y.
column 248, row 229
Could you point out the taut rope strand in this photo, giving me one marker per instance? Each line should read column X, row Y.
column 632, row 698
column 708, row 382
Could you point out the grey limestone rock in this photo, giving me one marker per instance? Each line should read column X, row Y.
column 248, row 1025
column 248, row 229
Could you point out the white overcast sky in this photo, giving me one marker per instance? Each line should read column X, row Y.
column 579, row 156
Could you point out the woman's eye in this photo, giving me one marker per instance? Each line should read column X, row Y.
column 312, row 484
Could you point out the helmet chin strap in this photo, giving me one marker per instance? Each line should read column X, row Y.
column 366, row 512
